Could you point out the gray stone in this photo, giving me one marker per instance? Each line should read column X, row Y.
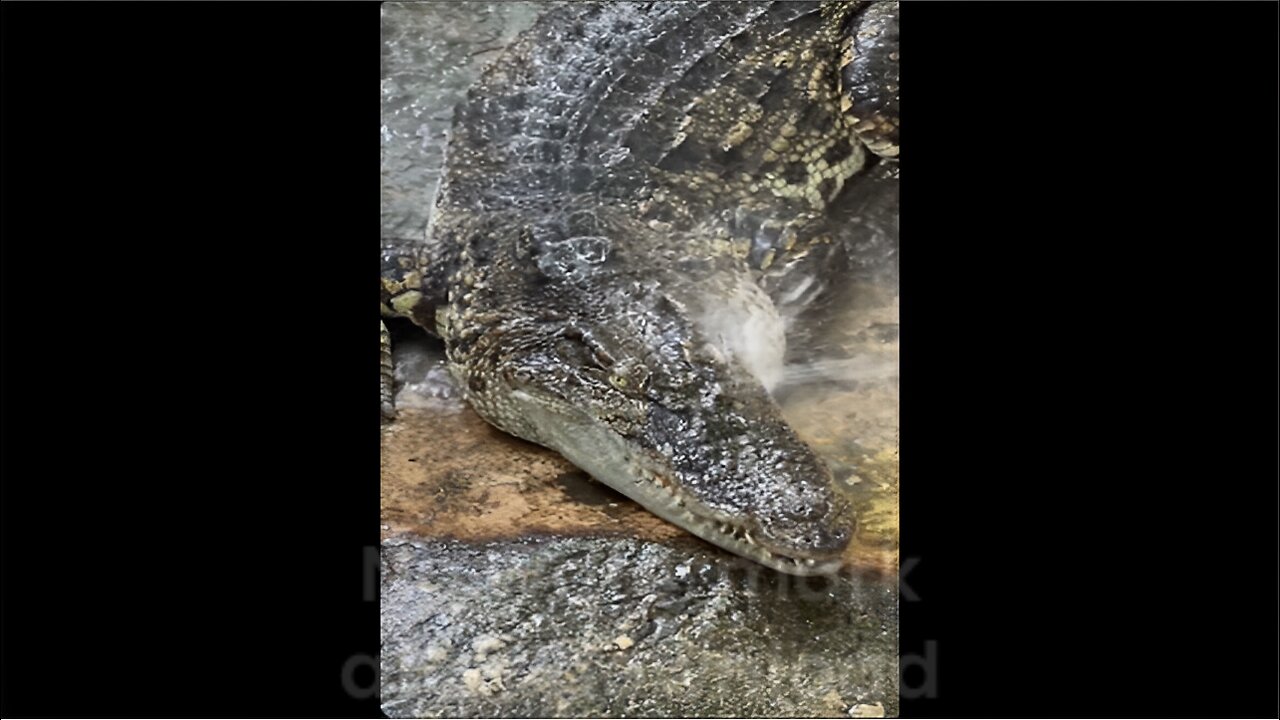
column 618, row 627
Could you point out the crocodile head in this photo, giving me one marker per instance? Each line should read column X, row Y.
column 633, row 392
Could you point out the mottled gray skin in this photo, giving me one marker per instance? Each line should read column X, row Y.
column 636, row 197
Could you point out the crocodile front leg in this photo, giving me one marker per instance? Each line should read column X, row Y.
column 413, row 286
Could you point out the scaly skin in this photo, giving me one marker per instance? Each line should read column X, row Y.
column 634, row 198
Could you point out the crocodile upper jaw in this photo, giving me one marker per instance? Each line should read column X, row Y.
column 612, row 459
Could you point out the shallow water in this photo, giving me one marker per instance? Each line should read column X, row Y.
column 431, row 53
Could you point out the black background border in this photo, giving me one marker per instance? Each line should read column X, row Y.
column 1088, row 295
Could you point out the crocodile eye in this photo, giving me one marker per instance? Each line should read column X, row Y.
column 630, row 377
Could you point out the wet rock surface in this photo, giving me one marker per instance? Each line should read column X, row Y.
column 552, row 626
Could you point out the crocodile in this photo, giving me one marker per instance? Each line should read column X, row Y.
column 638, row 199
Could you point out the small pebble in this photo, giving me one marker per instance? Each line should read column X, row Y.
column 471, row 678
column 875, row 710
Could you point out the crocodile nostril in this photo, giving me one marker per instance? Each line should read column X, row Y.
column 808, row 511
